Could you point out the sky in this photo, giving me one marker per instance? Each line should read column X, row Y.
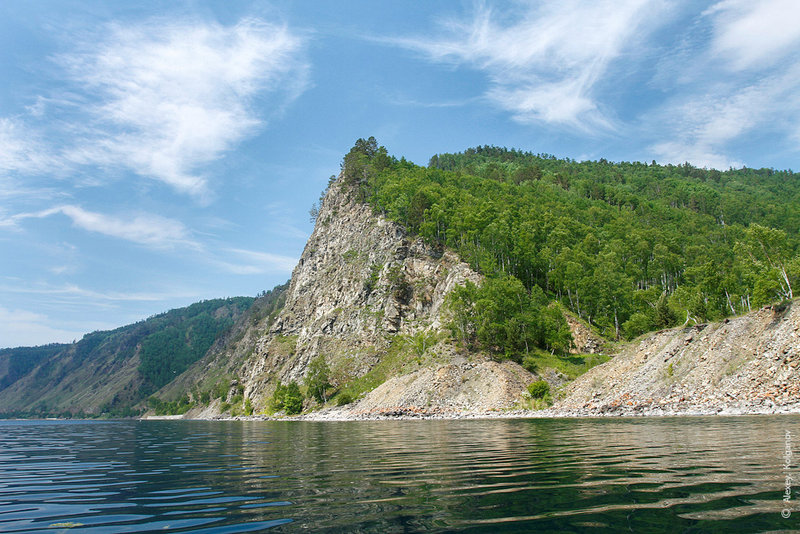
column 153, row 154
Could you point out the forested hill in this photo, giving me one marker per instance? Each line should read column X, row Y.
column 112, row 371
column 629, row 247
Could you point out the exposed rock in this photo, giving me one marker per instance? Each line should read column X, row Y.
column 728, row 367
column 584, row 341
column 361, row 281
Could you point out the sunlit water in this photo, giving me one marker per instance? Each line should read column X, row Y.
column 635, row 475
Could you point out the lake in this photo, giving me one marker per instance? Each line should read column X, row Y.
column 693, row 474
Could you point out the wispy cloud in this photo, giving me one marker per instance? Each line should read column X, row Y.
column 18, row 152
column 543, row 60
column 77, row 292
column 755, row 35
column 160, row 99
column 169, row 98
column 750, row 83
column 20, row 328
column 145, row 229
column 251, row 262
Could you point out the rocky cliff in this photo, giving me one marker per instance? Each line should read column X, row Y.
column 747, row 364
column 370, row 300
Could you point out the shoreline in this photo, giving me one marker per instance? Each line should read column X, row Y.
column 338, row 415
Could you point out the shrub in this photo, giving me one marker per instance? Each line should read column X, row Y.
column 344, row 398
column 539, row 389
column 277, row 397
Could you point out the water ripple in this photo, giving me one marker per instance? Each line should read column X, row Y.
column 641, row 475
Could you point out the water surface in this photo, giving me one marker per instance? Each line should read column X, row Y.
column 704, row 474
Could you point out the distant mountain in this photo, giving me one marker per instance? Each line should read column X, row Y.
column 112, row 372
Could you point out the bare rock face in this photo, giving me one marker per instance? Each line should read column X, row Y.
column 748, row 364
column 360, row 283
column 584, row 341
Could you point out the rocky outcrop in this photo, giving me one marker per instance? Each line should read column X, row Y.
column 584, row 341
column 748, row 364
column 361, row 285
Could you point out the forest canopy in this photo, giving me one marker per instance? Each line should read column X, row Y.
column 628, row 247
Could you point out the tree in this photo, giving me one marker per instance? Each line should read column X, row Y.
column 317, row 378
column 292, row 399
column 770, row 253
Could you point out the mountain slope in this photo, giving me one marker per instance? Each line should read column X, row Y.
column 403, row 324
column 111, row 372
column 371, row 301
column 747, row 364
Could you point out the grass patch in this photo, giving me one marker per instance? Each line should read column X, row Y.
column 570, row 365
column 397, row 355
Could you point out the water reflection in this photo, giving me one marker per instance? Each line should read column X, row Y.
column 695, row 474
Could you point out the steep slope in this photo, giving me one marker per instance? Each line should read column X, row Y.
column 217, row 374
column 370, row 300
column 747, row 364
column 111, row 372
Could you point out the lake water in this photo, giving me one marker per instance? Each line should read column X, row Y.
column 714, row 474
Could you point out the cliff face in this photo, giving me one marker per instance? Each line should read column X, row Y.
column 370, row 299
column 748, row 364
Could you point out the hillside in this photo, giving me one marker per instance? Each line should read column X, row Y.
column 372, row 302
column 747, row 364
column 112, row 372
column 628, row 247
column 451, row 288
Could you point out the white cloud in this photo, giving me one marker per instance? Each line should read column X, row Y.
column 544, row 61
column 20, row 151
column 258, row 262
column 75, row 292
column 21, row 328
column 167, row 99
column 145, row 229
column 721, row 104
column 751, row 34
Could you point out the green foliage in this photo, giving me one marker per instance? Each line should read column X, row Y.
column 184, row 338
column 344, row 398
column 422, row 341
column 184, row 332
column 288, row 398
column 22, row 360
column 503, row 317
column 276, row 403
column 176, row 407
column 317, row 378
column 539, row 389
column 570, row 365
column 293, row 399
column 628, row 247
column 372, row 279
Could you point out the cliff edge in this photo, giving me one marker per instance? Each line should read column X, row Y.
column 371, row 301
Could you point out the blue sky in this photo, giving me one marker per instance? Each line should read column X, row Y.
column 154, row 154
